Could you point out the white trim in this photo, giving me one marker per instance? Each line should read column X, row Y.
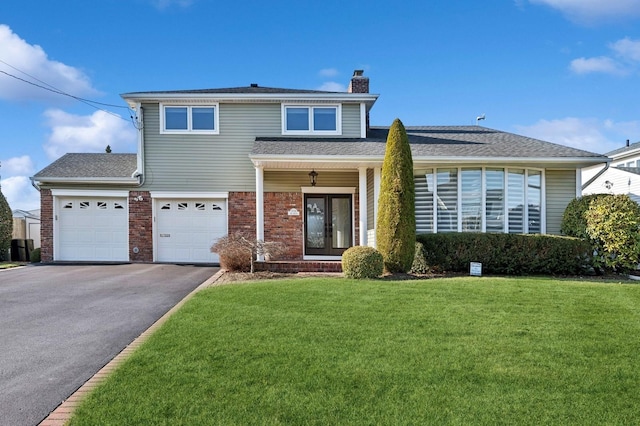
column 201, row 98
column 88, row 193
column 363, row 120
column 483, row 200
column 328, row 190
column 208, row 195
column 578, row 183
column 189, row 129
column 260, row 207
column 109, row 181
column 362, row 204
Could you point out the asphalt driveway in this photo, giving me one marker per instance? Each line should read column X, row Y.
column 59, row 324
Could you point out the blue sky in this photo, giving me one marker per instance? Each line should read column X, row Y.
column 565, row 71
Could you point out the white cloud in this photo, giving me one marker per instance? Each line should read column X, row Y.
column 17, row 165
column 328, row 72
column 332, row 86
column 589, row 134
column 20, row 194
column 33, row 60
column 87, row 133
column 593, row 11
column 627, row 52
column 601, row 64
column 627, row 49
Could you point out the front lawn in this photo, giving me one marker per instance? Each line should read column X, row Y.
column 334, row 351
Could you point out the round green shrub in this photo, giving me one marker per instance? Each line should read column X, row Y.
column 613, row 226
column 34, row 257
column 574, row 222
column 362, row 262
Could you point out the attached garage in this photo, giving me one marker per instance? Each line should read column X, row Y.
column 92, row 229
column 186, row 228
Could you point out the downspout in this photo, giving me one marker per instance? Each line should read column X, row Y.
column 34, row 184
column 590, row 181
column 139, row 173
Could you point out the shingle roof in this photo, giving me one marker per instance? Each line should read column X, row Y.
column 622, row 150
column 235, row 90
column 426, row 141
column 90, row 166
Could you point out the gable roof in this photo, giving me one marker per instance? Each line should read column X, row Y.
column 428, row 143
column 617, row 152
column 90, row 167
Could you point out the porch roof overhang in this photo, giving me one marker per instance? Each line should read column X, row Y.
column 328, row 162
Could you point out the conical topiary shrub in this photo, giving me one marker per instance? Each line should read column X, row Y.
column 396, row 224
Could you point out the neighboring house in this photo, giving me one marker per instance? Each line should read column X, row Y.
column 621, row 176
column 212, row 162
column 26, row 226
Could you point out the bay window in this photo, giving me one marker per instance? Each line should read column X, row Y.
column 475, row 199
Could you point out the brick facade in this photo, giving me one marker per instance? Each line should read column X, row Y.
column 242, row 213
column 140, row 226
column 46, row 225
column 279, row 226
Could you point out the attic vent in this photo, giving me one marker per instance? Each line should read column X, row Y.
column 254, row 84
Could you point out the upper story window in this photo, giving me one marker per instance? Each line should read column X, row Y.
column 189, row 119
column 302, row 119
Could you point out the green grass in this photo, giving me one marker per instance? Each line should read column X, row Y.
column 7, row 265
column 335, row 351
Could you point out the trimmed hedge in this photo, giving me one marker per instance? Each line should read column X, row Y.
column 362, row 262
column 507, row 254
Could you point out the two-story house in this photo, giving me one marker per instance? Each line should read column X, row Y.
column 621, row 176
column 297, row 166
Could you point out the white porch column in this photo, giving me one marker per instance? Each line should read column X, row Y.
column 377, row 173
column 260, row 206
column 362, row 194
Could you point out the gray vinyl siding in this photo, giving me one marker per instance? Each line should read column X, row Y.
column 213, row 163
column 351, row 120
column 291, row 181
column 560, row 189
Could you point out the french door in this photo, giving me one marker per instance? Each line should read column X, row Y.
column 328, row 224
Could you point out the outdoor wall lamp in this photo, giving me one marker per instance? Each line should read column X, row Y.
column 313, row 177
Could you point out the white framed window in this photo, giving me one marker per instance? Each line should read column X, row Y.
column 189, row 119
column 306, row 119
column 480, row 199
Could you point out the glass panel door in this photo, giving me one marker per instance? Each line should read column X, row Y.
column 328, row 224
column 315, row 223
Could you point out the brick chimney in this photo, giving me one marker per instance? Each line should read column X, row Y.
column 359, row 83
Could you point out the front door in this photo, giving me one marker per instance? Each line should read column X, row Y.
column 328, row 224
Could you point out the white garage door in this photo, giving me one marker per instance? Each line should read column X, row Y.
column 186, row 229
column 93, row 229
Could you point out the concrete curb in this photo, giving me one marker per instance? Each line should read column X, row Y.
column 63, row 412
